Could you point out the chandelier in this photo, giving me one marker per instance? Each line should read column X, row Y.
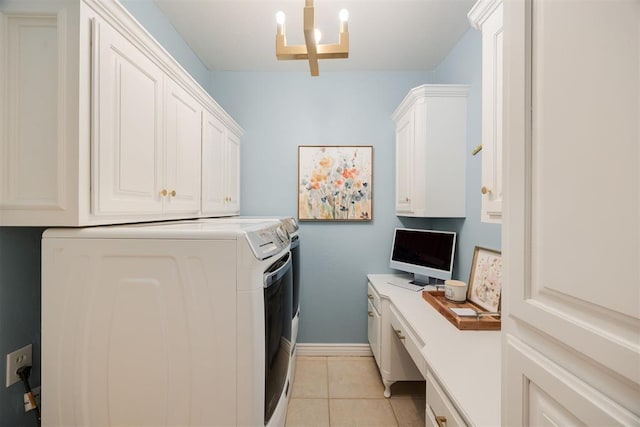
column 312, row 50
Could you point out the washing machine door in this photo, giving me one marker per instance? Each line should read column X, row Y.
column 278, row 284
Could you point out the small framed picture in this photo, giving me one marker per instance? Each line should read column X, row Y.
column 335, row 183
column 485, row 280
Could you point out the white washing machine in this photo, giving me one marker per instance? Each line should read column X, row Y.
column 174, row 323
column 291, row 227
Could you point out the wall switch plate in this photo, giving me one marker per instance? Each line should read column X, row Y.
column 15, row 360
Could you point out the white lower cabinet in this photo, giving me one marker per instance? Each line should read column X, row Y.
column 394, row 362
column 374, row 322
column 98, row 123
column 415, row 342
column 439, row 411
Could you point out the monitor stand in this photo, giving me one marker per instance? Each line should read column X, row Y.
column 421, row 280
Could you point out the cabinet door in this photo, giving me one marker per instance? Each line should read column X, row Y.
column 183, row 136
column 126, row 121
column 492, row 48
column 572, row 223
column 405, row 140
column 373, row 331
column 213, row 165
column 232, row 147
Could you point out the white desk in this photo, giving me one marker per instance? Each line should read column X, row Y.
column 466, row 364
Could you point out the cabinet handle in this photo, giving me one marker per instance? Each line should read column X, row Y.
column 173, row 193
column 406, row 199
column 370, row 313
column 441, row 420
column 399, row 334
column 163, row 192
column 485, row 190
column 370, row 296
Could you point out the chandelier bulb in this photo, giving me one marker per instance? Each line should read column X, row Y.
column 280, row 17
column 343, row 15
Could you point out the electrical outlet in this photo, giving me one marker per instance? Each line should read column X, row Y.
column 16, row 360
column 27, row 403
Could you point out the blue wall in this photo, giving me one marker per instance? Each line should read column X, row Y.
column 279, row 112
column 157, row 24
column 19, row 314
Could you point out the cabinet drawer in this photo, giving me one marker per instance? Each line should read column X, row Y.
column 374, row 297
column 404, row 333
column 440, row 411
column 373, row 328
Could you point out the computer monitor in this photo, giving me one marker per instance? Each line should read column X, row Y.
column 425, row 253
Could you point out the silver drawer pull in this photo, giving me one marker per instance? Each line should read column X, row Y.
column 399, row 334
column 370, row 296
column 441, row 420
column 370, row 313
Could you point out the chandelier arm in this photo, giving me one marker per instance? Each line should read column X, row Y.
column 310, row 38
column 310, row 50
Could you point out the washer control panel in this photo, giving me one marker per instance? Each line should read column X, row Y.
column 266, row 241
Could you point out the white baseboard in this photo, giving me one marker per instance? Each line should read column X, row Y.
column 310, row 349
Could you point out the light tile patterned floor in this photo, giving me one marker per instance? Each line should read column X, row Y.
column 347, row 391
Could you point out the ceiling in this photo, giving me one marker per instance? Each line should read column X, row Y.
column 390, row 35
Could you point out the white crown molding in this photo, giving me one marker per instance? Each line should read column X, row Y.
column 481, row 11
column 419, row 93
column 333, row 349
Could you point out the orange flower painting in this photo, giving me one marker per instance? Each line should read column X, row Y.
column 335, row 183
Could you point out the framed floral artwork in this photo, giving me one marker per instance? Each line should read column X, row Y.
column 335, row 183
column 485, row 280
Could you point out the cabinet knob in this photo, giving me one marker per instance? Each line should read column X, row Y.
column 163, row 192
column 370, row 313
column 441, row 420
column 369, row 296
column 485, row 190
column 173, row 193
column 399, row 334
column 406, row 199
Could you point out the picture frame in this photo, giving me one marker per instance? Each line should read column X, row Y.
column 485, row 279
column 335, row 183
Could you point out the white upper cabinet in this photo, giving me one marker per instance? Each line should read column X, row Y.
column 571, row 225
column 431, row 125
column 128, row 147
column 182, row 153
column 220, row 168
column 99, row 124
column 486, row 15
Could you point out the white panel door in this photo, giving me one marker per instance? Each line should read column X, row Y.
column 232, row 147
column 405, row 140
column 126, row 119
column 571, row 237
column 183, row 137
column 213, row 165
column 492, row 63
column 32, row 169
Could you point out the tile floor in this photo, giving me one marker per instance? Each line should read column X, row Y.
column 347, row 391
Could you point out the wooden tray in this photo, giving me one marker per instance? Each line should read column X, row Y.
column 482, row 323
